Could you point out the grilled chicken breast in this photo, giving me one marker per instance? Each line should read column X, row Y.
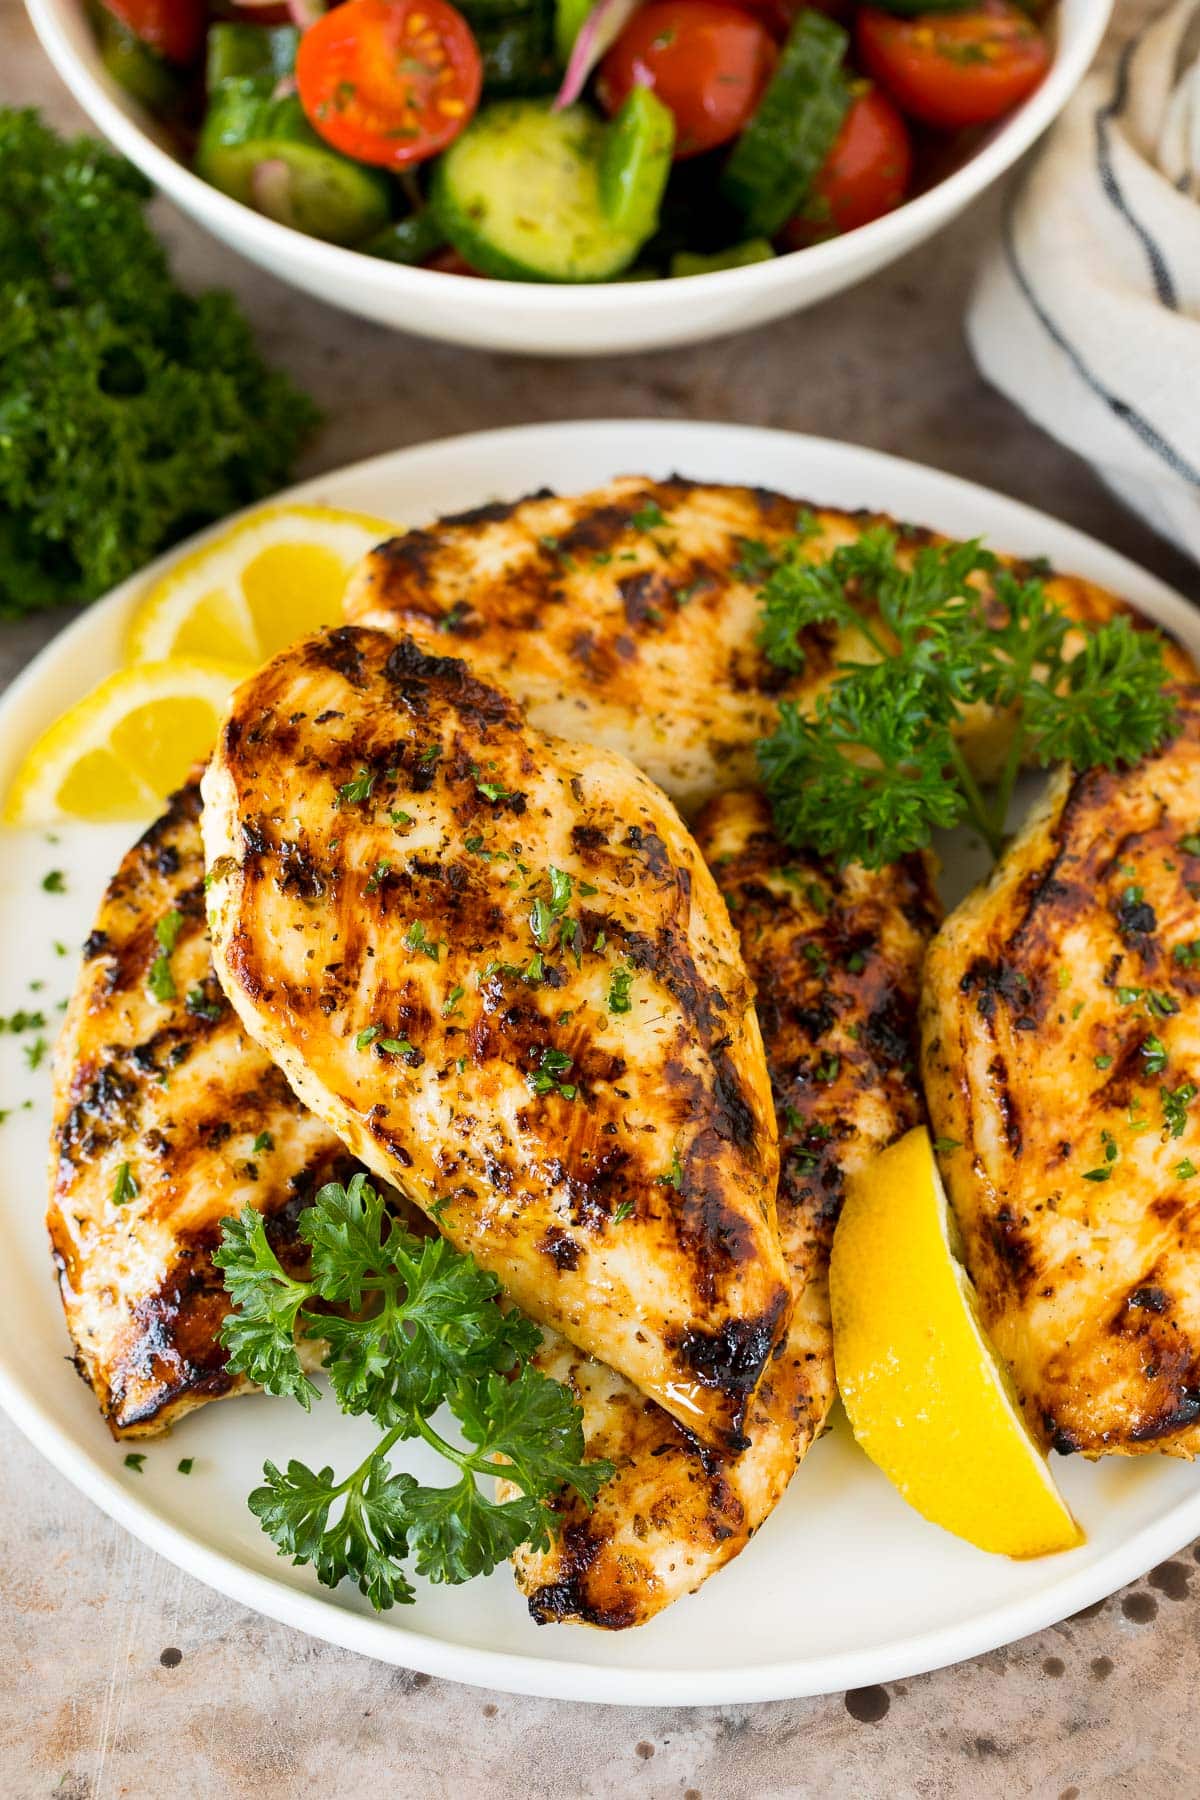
column 1061, row 1056
column 836, row 959
column 167, row 1118
column 629, row 617
column 496, row 965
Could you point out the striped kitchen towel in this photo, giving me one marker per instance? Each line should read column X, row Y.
column 1087, row 313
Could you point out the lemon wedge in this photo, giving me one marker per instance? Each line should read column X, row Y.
column 274, row 577
column 925, row 1395
column 117, row 753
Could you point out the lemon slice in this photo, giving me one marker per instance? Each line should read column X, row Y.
column 278, row 575
column 117, row 753
column 925, row 1395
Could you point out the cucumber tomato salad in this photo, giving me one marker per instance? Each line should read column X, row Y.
column 575, row 140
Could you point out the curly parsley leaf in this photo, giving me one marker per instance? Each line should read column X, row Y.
column 368, row 1539
column 877, row 765
column 418, row 1324
column 132, row 412
column 260, row 1334
column 874, row 755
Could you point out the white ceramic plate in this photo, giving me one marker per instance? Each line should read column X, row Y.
column 556, row 320
column 844, row 1586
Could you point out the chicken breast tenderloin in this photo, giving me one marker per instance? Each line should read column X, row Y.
column 629, row 616
column 496, row 965
column 167, row 1118
column 836, row 959
column 1061, row 1057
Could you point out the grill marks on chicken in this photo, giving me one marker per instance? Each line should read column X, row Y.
column 629, row 617
column 1061, row 1052
column 174, row 1093
column 496, row 965
column 835, row 957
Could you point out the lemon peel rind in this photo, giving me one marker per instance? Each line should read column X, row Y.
column 158, row 617
column 926, row 1398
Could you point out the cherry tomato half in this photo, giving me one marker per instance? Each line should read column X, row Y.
column 173, row 28
column 389, row 81
column 706, row 61
column 955, row 69
column 865, row 175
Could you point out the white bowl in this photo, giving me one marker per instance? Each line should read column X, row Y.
column 558, row 320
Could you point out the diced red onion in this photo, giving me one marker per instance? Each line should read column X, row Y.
column 598, row 33
column 303, row 12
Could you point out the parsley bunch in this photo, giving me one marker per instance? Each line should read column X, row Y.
column 418, row 1326
column 130, row 412
column 878, row 766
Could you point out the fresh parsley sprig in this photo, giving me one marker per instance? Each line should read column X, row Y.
column 418, row 1326
column 877, row 765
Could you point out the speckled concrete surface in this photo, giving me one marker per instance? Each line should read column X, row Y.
column 122, row 1677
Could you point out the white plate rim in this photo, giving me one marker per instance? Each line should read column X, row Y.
column 384, row 1639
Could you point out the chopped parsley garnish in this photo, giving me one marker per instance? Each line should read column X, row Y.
column 494, row 790
column 160, row 983
column 648, row 518
column 378, row 876
column 185, row 1465
column 264, row 1141
column 415, row 939
column 54, row 882
column 619, row 985
column 367, row 1037
column 623, row 1212
column 876, row 765
column 35, row 1053
column 1103, row 1062
column 135, row 1460
column 818, row 961
column 125, row 1188
column 1188, row 955
column 400, row 818
column 200, row 1006
column 415, row 1326
column 1154, row 1055
column 24, row 1021
column 828, row 1068
column 357, row 791
column 1175, row 1107
column 545, row 914
column 673, row 1178
column 450, row 1003
column 1185, row 1169
column 547, row 1078
column 396, row 1046
column 943, row 1146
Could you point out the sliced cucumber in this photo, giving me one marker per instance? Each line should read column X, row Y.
column 780, row 152
column 635, row 163
column 408, row 240
column 739, row 256
column 324, row 193
column 517, row 55
column 133, row 65
column 518, row 195
column 234, row 51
